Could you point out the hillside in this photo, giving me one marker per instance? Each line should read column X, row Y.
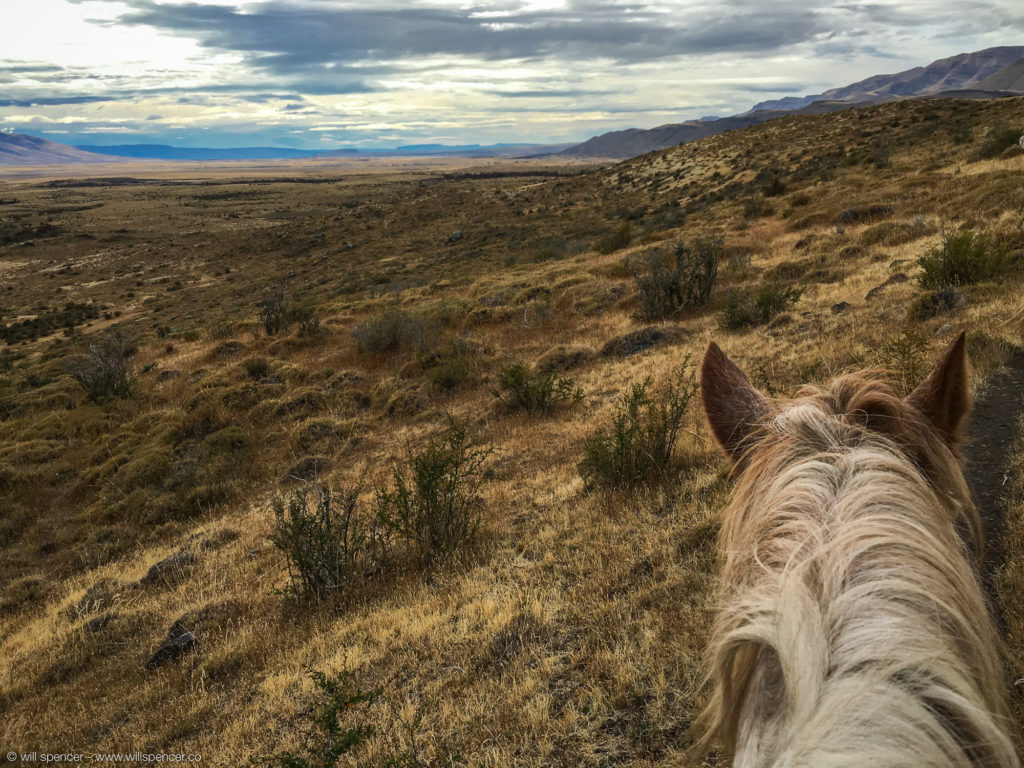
column 281, row 332
column 19, row 149
column 982, row 74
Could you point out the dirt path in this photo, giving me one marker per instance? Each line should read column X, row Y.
column 992, row 435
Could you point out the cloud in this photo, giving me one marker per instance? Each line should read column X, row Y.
column 53, row 101
column 289, row 39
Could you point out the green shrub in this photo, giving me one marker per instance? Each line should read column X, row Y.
column 998, row 139
column 446, row 366
column 328, row 543
column 745, row 308
column 639, row 445
column 669, row 285
column 522, row 389
column 905, row 357
column 966, row 257
column 433, row 510
column 273, row 313
column 103, row 369
column 329, row 737
column 617, row 240
column 393, row 330
column 256, row 367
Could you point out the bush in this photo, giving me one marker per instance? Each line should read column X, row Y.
column 103, row 370
column 905, row 357
column 745, row 308
column 999, row 139
column 965, row 257
column 446, row 366
column 667, row 288
column 522, row 389
column 329, row 739
column 273, row 313
column 617, row 240
column 327, row 544
column 434, row 511
column 393, row 330
column 639, row 444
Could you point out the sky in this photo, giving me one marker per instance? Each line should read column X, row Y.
column 322, row 74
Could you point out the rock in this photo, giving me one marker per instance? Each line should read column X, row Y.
column 842, row 306
column 638, row 341
column 899, row 277
column 803, row 242
column 169, row 569
column 563, row 358
column 99, row 596
column 455, row 236
column 173, row 647
column 309, row 468
column 943, row 300
column 944, row 329
column 99, row 623
column 227, row 349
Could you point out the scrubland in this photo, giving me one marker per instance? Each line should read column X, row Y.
column 569, row 630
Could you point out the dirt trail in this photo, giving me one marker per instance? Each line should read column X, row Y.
column 992, row 435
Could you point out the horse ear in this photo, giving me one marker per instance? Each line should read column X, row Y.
column 943, row 396
column 733, row 407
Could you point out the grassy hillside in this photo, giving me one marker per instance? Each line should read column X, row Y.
column 569, row 631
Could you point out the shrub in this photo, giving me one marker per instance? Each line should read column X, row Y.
column 965, row 257
column 639, row 444
column 329, row 739
column 906, row 358
column 998, row 139
column 745, row 308
column 433, row 510
column 328, row 543
column 616, row 240
column 393, row 330
column 256, row 367
column 667, row 288
column 103, row 369
column 273, row 313
column 446, row 366
column 522, row 389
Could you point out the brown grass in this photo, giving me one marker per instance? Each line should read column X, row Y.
column 573, row 632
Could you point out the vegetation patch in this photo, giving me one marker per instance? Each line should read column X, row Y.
column 967, row 257
column 639, row 444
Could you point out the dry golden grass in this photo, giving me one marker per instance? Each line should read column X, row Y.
column 572, row 632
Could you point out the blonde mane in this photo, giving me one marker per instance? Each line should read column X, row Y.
column 852, row 630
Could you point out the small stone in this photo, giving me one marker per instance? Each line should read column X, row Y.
column 944, row 329
column 842, row 306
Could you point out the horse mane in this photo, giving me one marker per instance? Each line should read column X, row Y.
column 851, row 629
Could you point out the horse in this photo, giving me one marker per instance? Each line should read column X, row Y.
column 851, row 627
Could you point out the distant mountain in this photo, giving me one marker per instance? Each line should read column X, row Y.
column 201, row 154
column 635, row 141
column 19, row 149
column 166, row 152
column 983, row 74
column 961, row 72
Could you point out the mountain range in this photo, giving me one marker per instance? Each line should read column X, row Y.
column 990, row 73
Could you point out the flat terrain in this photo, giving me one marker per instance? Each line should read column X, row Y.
column 570, row 632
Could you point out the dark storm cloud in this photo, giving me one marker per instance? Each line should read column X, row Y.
column 288, row 39
column 54, row 101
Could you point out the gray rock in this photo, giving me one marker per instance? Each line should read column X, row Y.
column 944, row 329
column 639, row 341
column 169, row 569
column 172, row 648
column 842, row 306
